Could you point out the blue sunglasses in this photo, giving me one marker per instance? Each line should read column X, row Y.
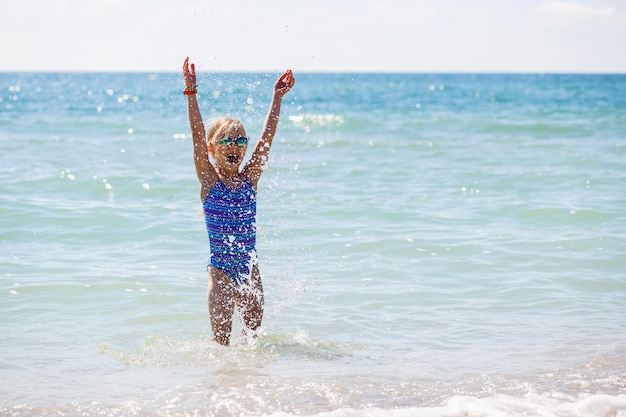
column 239, row 141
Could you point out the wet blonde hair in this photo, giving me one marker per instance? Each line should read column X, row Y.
column 219, row 128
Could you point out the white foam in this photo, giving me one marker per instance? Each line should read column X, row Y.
column 552, row 405
column 317, row 119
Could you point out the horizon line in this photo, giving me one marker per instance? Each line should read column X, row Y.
column 477, row 72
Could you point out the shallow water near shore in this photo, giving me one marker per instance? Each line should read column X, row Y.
column 430, row 245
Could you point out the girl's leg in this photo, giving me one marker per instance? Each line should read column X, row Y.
column 250, row 301
column 221, row 300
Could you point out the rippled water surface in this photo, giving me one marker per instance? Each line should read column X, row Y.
column 430, row 245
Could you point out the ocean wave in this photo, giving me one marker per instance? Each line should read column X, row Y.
column 549, row 404
column 326, row 120
column 233, row 405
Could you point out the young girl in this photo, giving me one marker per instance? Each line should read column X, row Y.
column 228, row 196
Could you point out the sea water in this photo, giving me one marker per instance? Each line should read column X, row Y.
column 430, row 245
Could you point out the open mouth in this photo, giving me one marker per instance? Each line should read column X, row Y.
column 233, row 159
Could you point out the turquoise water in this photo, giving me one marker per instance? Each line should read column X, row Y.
column 431, row 245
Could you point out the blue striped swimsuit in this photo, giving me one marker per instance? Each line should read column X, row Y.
column 230, row 216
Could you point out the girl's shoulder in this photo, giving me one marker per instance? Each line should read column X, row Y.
column 206, row 187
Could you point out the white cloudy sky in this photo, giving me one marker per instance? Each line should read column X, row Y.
column 314, row 35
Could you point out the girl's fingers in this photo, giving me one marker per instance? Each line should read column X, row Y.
column 189, row 73
column 286, row 81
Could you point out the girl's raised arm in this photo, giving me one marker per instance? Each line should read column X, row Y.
column 204, row 169
column 254, row 168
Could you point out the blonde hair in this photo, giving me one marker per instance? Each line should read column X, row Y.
column 218, row 129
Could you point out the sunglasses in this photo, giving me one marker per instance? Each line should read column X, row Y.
column 239, row 141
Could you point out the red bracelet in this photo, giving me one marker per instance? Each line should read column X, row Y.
column 190, row 92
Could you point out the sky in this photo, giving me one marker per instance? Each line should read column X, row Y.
column 579, row 36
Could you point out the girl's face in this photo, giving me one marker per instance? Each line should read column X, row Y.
column 229, row 155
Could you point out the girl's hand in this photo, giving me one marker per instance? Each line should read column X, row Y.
column 190, row 76
column 284, row 83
